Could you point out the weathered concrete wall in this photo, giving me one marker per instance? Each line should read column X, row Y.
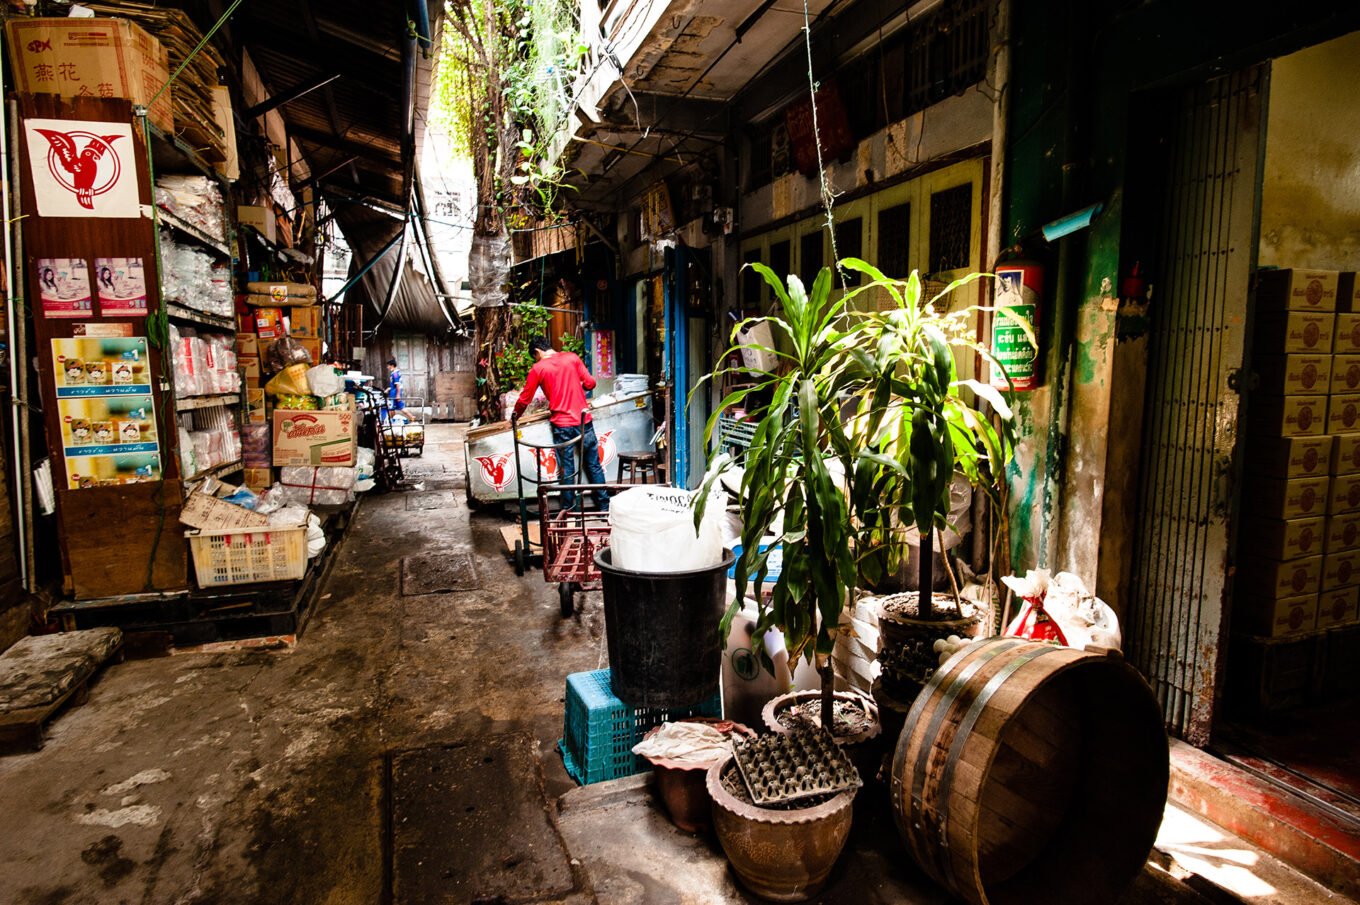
column 1310, row 192
column 952, row 125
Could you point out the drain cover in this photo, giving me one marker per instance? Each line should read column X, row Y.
column 438, row 500
column 436, row 573
column 470, row 823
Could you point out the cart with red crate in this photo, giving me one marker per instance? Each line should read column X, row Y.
column 570, row 536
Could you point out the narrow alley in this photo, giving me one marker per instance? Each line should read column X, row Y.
column 310, row 774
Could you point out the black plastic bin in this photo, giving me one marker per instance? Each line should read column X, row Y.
column 665, row 648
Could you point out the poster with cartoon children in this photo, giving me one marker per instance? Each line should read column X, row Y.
column 113, row 428
column 101, row 366
column 121, row 285
column 110, row 471
column 64, row 287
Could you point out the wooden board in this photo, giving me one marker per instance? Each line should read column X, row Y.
column 26, row 727
column 511, row 535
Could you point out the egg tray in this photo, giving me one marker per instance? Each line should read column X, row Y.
column 780, row 768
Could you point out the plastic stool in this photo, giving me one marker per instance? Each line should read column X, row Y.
column 638, row 465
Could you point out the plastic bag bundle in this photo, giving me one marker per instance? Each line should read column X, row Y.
column 256, row 447
column 318, row 486
column 1061, row 610
column 652, row 530
column 195, row 199
column 290, row 381
column 289, row 514
column 194, row 278
column 316, row 538
column 325, row 380
column 285, row 352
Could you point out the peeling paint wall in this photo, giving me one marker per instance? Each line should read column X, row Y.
column 1310, row 193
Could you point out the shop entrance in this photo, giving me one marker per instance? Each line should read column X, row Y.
column 1244, row 603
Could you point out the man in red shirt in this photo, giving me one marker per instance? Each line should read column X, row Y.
column 564, row 379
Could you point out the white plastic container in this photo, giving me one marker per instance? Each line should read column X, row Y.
column 652, row 530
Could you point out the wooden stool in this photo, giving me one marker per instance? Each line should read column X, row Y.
column 638, row 465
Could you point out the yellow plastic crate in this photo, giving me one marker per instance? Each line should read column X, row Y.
column 243, row 556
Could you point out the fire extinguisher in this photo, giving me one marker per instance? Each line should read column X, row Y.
column 1015, row 325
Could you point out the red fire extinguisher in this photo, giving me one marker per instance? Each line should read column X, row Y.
column 1015, row 325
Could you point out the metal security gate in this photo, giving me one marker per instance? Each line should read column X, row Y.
column 1175, row 627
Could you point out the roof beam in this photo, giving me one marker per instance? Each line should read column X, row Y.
column 376, row 153
column 375, row 74
column 690, row 115
column 299, row 90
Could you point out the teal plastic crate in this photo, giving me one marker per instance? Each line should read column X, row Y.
column 601, row 730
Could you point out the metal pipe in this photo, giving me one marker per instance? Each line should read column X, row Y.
column 423, row 25
column 20, row 486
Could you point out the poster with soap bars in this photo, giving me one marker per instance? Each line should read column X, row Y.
column 106, row 410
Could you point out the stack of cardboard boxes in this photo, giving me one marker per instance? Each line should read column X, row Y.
column 1299, row 554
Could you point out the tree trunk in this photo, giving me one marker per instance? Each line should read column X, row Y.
column 926, row 583
column 828, row 672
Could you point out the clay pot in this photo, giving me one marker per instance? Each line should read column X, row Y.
column 776, row 705
column 783, row 856
column 899, row 629
column 682, row 787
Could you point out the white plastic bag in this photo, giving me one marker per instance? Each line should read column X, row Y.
column 652, row 530
column 325, row 381
column 316, row 538
column 1061, row 610
column 312, row 486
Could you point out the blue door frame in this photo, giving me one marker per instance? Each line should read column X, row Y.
column 677, row 359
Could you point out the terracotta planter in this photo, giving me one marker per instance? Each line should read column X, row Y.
column 783, row 856
column 683, row 789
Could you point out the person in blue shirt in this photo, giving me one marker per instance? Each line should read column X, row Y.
column 395, row 403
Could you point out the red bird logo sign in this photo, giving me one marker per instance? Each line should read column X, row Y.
column 494, row 471
column 78, row 169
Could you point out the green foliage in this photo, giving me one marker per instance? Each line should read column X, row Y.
column 571, row 343
column 503, row 87
column 865, row 426
column 514, row 361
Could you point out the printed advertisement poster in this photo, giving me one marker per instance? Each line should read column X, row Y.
column 101, row 366
column 603, row 353
column 64, row 286
column 108, row 425
column 121, row 284
column 110, row 471
column 82, row 169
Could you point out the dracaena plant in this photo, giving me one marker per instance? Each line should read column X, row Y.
column 860, row 427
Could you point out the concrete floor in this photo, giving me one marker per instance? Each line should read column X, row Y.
column 261, row 777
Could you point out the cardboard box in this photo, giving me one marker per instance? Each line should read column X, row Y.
column 259, row 478
column 1345, row 376
column 250, row 368
column 1340, row 570
column 261, row 218
column 1296, row 290
column 1279, row 618
column 256, row 412
column 1345, row 458
column 1296, row 375
column 1271, row 580
column 315, row 438
column 1292, row 457
column 1346, row 331
column 1288, row 416
column 230, row 168
column 1343, row 414
column 95, row 57
column 206, row 512
column 1343, row 532
column 268, row 324
column 1287, row 498
column 1339, row 607
column 1292, row 332
column 304, row 321
column 1344, row 494
column 1283, row 540
column 247, row 344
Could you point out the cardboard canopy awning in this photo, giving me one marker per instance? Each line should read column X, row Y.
column 414, row 305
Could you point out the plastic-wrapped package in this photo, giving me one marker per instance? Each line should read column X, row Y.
column 194, row 199
column 291, row 381
column 187, row 463
column 316, row 538
column 289, row 514
column 318, row 486
column 271, row 501
column 256, row 448
column 284, row 352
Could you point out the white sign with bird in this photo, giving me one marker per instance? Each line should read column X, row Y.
column 82, row 169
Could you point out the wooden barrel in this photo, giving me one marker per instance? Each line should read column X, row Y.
column 1029, row 773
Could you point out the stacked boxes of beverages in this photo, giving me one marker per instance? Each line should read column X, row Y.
column 1340, row 601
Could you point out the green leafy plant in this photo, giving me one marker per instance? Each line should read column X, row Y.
column 514, row 361
column 572, row 343
column 859, row 430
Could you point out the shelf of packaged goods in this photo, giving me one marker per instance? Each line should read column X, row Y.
column 185, row 228
column 202, row 318
column 218, row 471
column 189, row 403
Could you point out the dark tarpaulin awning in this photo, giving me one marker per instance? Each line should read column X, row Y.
column 414, row 306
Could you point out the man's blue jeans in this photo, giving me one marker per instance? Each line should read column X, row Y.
column 566, row 461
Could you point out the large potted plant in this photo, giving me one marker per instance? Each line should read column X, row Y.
column 860, row 426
